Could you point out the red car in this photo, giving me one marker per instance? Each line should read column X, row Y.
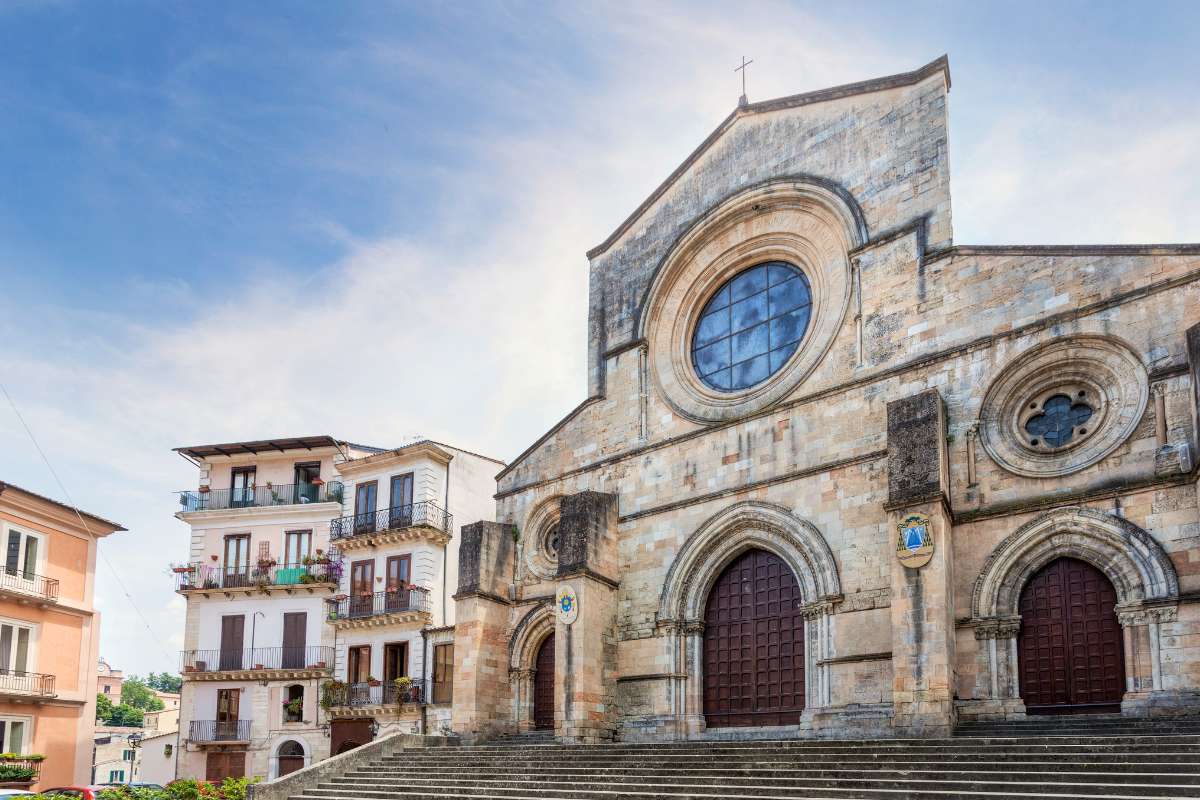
column 80, row 792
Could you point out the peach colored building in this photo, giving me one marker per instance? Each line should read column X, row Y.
column 109, row 681
column 49, row 633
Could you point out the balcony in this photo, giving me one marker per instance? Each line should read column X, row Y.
column 392, row 523
column 279, row 494
column 26, row 586
column 320, row 573
column 367, row 699
column 257, row 663
column 19, row 771
column 204, row 731
column 26, row 686
column 398, row 607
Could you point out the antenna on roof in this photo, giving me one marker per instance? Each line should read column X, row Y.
column 742, row 101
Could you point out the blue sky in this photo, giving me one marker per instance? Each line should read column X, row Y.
column 206, row 204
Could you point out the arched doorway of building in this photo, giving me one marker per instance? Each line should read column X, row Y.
column 543, row 686
column 754, row 644
column 347, row 734
column 1070, row 651
column 291, row 757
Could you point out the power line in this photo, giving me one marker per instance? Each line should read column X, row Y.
column 71, row 501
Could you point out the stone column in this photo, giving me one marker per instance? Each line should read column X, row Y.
column 922, row 597
column 483, row 697
column 585, row 652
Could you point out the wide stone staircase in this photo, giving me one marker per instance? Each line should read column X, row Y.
column 1031, row 759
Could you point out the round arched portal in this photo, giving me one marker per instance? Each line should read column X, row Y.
column 291, row 757
column 754, row 644
column 1070, row 650
column 543, row 686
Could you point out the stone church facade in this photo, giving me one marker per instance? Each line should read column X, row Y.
column 837, row 475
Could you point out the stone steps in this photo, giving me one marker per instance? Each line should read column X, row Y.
column 1132, row 764
column 1082, row 725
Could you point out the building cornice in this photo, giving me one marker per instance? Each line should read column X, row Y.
column 234, row 516
column 425, row 449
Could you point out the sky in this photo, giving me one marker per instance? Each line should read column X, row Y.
column 225, row 221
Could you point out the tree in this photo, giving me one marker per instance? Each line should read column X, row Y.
column 104, row 708
column 125, row 716
column 165, row 682
column 135, row 692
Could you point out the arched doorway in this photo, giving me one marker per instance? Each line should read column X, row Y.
column 754, row 644
column 543, row 686
column 291, row 757
column 1070, row 652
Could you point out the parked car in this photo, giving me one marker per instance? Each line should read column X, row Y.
column 78, row 792
column 16, row 793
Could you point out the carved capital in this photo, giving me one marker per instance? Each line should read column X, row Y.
column 997, row 627
column 817, row 609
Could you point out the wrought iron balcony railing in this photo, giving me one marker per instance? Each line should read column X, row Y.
column 18, row 770
column 411, row 598
column 35, row 684
column 258, row 658
column 28, row 583
column 212, row 730
column 424, row 513
column 386, row 693
column 280, row 494
column 198, row 575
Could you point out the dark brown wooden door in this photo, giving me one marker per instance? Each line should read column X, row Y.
column 222, row 765
column 543, row 686
column 347, row 734
column 1070, row 651
column 362, row 586
column 754, row 645
column 399, row 570
column 233, row 630
column 295, row 626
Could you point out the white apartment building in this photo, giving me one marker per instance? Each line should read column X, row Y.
column 259, row 571
column 393, row 619
column 318, row 569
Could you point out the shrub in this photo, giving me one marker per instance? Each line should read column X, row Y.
column 13, row 772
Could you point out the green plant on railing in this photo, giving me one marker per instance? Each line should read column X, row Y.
column 19, row 757
column 333, row 693
column 404, row 685
column 16, row 774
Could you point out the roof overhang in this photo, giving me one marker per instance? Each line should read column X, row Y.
column 227, row 449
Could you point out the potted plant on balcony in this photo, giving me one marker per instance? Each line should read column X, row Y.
column 372, row 681
column 333, row 693
column 404, row 686
column 205, row 489
column 293, row 709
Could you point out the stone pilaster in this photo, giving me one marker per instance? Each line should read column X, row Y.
column 585, row 651
column 482, row 690
column 922, row 597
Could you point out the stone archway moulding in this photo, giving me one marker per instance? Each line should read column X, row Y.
column 523, row 644
column 528, row 635
column 731, row 532
column 722, row 538
column 1140, row 570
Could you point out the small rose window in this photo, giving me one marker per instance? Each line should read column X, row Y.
column 1058, row 418
column 550, row 542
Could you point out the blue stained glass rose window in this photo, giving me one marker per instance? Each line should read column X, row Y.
column 751, row 326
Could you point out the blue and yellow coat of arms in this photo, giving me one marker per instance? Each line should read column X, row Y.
column 914, row 545
column 567, row 604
